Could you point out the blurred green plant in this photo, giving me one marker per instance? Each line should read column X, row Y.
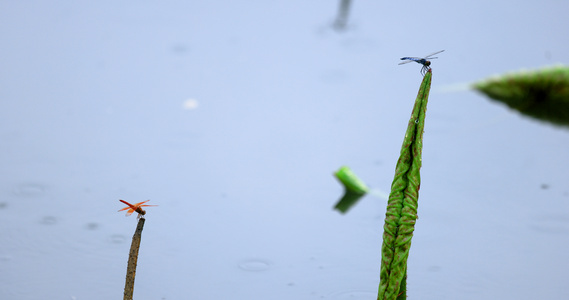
column 354, row 189
column 542, row 94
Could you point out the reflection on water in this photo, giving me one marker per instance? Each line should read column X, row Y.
column 353, row 294
column 5, row 257
column 551, row 223
column 92, row 226
column 434, row 269
column 48, row 220
column 341, row 21
column 117, row 239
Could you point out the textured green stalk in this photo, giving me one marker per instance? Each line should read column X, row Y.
column 401, row 212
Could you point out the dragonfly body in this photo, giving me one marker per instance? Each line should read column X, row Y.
column 421, row 60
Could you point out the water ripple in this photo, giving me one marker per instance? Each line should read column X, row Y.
column 254, row 265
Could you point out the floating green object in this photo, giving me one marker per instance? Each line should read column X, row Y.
column 354, row 189
column 542, row 94
column 401, row 212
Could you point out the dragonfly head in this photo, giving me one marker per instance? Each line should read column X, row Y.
column 427, row 63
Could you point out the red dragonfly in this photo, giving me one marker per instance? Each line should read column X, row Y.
column 137, row 207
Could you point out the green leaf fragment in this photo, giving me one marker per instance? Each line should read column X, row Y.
column 542, row 94
column 354, row 189
column 401, row 213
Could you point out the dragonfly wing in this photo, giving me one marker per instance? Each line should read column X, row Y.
column 429, row 56
column 126, row 203
column 130, row 208
column 140, row 203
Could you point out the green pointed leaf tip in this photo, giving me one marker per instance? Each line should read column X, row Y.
column 354, row 189
column 542, row 94
column 401, row 211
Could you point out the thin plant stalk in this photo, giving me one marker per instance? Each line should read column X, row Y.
column 132, row 260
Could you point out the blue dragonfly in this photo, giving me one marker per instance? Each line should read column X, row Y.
column 421, row 60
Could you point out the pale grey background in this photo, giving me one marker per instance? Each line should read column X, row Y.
column 93, row 97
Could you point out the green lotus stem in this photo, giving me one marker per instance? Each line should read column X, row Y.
column 542, row 94
column 401, row 212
